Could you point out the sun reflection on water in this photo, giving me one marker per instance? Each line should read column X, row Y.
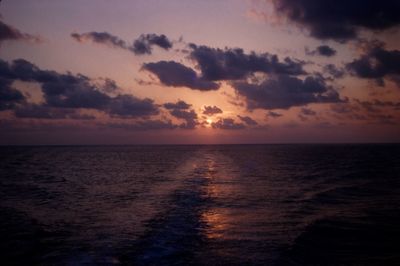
column 216, row 220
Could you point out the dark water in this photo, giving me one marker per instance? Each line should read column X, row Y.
column 200, row 205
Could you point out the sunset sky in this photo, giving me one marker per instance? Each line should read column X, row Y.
column 226, row 71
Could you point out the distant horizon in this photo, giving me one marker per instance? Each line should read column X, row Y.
column 200, row 144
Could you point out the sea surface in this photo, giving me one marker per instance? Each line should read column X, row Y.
column 200, row 205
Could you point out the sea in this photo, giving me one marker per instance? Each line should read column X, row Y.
column 295, row 204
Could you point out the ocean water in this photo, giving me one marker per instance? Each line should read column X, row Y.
column 200, row 205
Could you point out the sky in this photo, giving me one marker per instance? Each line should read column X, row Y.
column 199, row 72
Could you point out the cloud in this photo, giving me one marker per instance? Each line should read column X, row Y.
column 43, row 112
column 79, row 116
column 129, row 106
column 342, row 108
column 73, row 91
column 233, row 64
column 109, row 86
column 174, row 74
column 307, row 111
column 248, row 120
column 274, row 114
column 374, row 105
column 340, row 20
column 323, row 50
column 143, row 125
column 189, row 116
column 283, row 92
column 227, row 123
column 334, row 71
column 180, row 105
column 9, row 97
column 377, row 63
column 100, row 38
column 40, row 111
column 143, row 45
column 211, row 110
column 372, row 112
column 9, row 33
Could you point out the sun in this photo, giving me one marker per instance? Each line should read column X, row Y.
column 209, row 121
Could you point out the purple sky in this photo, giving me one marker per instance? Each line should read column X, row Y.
column 228, row 71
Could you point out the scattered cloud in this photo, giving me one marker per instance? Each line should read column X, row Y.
column 227, row 123
column 334, row 71
column 322, row 50
column 189, row 116
column 211, row 110
column 143, row 125
column 283, row 92
column 9, row 97
column 128, row 106
column 9, row 33
column 340, row 20
column 248, row 120
column 104, row 38
column 180, row 105
column 40, row 111
column 377, row 63
column 171, row 73
column 143, row 45
column 234, row 64
column 70, row 91
column 308, row 112
column 274, row 114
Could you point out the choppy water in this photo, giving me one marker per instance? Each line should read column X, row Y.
column 200, row 205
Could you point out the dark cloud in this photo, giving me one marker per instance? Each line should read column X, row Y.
column 143, row 45
column 340, row 20
column 8, row 33
column 73, row 91
column 233, row 64
column 40, row 111
column 372, row 112
column 248, row 120
column 323, row 50
column 9, row 97
column 100, row 38
column 129, row 106
column 375, row 105
column 174, row 74
column 334, row 71
column 342, row 108
column 377, row 63
column 189, row 116
column 180, row 105
column 211, row 110
column 143, row 125
column 283, row 92
column 109, row 86
column 307, row 111
column 227, row 123
column 79, row 116
column 274, row 114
